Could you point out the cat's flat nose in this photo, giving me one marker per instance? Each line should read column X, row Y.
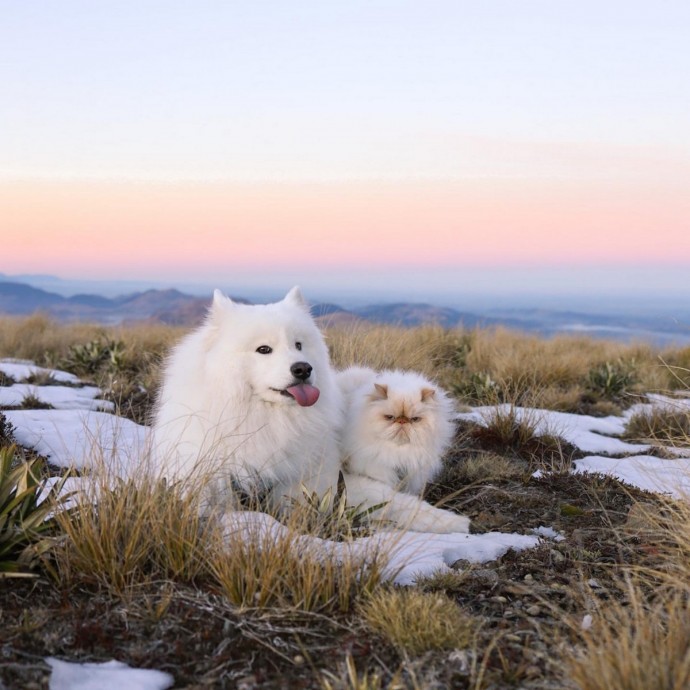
column 402, row 420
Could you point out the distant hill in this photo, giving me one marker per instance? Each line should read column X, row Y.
column 177, row 308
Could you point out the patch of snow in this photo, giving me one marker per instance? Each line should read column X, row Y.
column 81, row 439
column 21, row 369
column 548, row 533
column 60, row 397
column 410, row 555
column 662, row 475
column 111, row 675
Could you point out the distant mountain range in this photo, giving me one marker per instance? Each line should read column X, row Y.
column 173, row 307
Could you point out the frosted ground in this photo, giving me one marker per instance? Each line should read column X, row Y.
column 81, row 427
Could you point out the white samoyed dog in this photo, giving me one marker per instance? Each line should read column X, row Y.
column 249, row 403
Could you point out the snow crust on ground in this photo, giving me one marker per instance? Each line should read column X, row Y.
column 60, row 397
column 111, row 674
column 21, row 369
column 82, row 439
column 661, row 475
column 410, row 555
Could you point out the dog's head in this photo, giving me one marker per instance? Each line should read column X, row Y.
column 275, row 349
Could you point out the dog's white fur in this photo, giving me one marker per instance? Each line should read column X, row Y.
column 220, row 415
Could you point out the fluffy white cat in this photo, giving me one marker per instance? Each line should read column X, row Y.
column 397, row 427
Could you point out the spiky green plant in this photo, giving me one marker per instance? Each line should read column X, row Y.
column 612, row 379
column 27, row 526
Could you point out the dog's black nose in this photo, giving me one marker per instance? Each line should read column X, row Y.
column 301, row 370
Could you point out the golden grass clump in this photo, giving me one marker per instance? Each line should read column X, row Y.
column 663, row 425
column 415, row 622
column 636, row 647
column 127, row 534
column 278, row 566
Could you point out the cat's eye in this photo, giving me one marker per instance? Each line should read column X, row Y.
column 415, row 419
column 264, row 350
column 298, row 345
column 389, row 417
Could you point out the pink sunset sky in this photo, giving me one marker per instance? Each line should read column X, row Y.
column 184, row 141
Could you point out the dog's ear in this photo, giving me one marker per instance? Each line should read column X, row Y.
column 220, row 305
column 295, row 297
column 220, row 300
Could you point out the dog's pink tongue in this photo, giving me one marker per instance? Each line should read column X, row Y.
column 304, row 394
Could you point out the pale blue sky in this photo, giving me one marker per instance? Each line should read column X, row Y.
column 325, row 90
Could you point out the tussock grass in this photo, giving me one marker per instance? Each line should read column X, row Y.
column 128, row 534
column 416, row 622
column 350, row 679
column 507, row 430
column 480, row 366
column 280, row 567
column 486, row 467
column 487, row 366
column 662, row 425
column 635, row 647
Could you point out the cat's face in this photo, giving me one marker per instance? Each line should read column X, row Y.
column 401, row 416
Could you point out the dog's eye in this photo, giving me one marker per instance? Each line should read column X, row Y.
column 298, row 345
column 264, row 350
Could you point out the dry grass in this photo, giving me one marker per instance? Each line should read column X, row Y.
column 481, row 365
column 487, row 467
column 415, row 622
column 128, row 534
column 499, row 365
column 662, row 425
column 350, row 679
column 636, row 647
column 278, row 566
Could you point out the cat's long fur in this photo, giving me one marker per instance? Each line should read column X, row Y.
column 397, row 426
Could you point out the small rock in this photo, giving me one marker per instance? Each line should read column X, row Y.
column 484, row 576
column 461, row 564
column 533, row 610
column 556, row 556
column 528, row 578
column 532, row 671
column 298, row 660
column 499, row 599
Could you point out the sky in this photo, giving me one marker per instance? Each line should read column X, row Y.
column 280, row 142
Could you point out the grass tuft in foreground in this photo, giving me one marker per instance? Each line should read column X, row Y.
column 415, row 622
column 636, row 647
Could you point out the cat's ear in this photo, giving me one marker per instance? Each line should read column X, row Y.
column 380, row 392
column 428, row 394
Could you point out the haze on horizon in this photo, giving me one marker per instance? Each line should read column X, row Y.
column 515, row 146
